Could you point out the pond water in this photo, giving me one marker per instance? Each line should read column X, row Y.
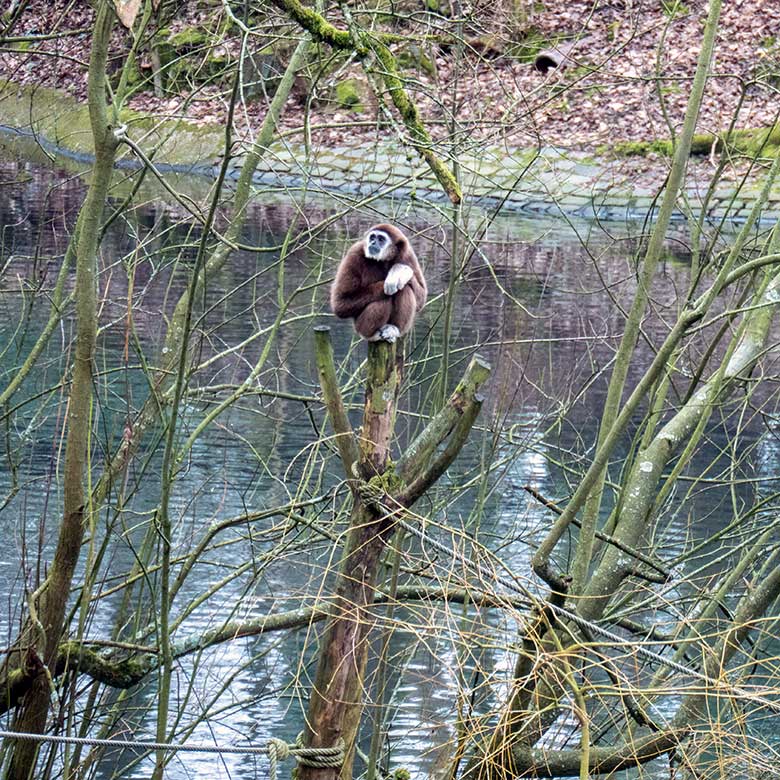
column 540, row 300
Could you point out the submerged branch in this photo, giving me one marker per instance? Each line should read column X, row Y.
column 601, row 759
column 104, row 665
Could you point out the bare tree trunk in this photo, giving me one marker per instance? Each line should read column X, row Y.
column 334, row 710
column 337, row 698
column 17, row 673
column 45, row 635
column 592, row 499
column 534, row 703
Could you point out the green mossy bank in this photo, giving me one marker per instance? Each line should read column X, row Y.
column 63, row 122
column 541, row 182
column 753, row 143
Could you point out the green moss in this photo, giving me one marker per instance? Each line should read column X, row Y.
column 751, row 142
column 188, row 38
column 700, row 145
column 375, row 492
column 414, row 58
column 763, row 141
column 135, row 76
column 350, row 93
column 319, row 27
column 388, row 483
column 642, row 148
column 188, row 59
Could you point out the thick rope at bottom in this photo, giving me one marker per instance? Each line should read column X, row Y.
column 315, row 757
column 276, row 749
column 318, row 757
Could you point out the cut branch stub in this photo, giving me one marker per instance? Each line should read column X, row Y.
column 441, row 462
column 331, row 395
column 416, row 460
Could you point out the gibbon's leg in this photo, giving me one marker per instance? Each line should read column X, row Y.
column 404, row 309
column 372, row 318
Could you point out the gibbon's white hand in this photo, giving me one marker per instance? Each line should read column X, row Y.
column 397, row 278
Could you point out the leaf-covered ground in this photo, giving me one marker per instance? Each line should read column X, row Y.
column 471, row 76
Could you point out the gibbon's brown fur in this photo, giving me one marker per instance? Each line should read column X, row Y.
column 359, row 288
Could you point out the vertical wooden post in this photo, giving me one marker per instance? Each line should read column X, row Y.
column 336, row 701
column 382, row 384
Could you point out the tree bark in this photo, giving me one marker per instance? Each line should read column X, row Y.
column 337, row 697
column 533, row 705
column 52, row 603
column 334, row 709
column 593, row 497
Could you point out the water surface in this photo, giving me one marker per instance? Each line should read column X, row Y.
column 539, row 299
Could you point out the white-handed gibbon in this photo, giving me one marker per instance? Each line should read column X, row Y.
column 379, row 284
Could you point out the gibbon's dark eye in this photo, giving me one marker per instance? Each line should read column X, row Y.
column 376, row 238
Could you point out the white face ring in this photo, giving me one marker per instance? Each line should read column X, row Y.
column 376, row 244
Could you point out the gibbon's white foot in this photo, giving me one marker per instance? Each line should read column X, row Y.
column 377, row 336
column 397, row 278
column 389, row 333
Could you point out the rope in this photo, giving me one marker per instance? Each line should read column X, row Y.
column 276, row 749
column 170, row 747
column 317, row 757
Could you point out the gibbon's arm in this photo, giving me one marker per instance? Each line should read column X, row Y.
column 420, row 289
column 349, row 296
column 417, row 282
column 418, row 285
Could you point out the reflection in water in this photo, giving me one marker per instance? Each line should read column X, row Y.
column 537, row 301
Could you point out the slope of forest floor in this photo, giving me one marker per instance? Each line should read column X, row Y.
column 628, row 80
column 625, row 88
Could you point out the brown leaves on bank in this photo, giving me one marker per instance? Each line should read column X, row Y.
column 472, row 77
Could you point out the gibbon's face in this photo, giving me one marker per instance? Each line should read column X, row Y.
column 377, row 245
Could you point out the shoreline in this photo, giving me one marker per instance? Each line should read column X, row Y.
column 546, row 182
